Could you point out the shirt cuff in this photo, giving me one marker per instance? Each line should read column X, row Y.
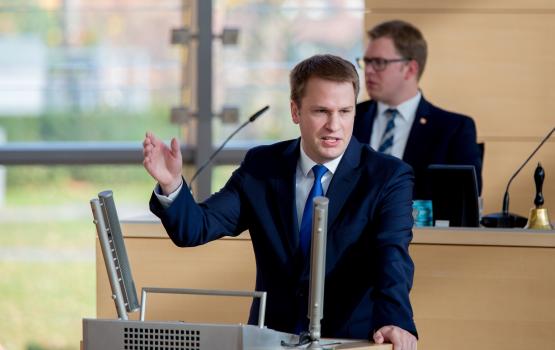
column 166, row 201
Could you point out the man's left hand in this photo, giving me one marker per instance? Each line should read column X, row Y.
column 401, row 339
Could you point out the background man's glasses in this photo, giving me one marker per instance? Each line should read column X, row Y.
column 377, row 63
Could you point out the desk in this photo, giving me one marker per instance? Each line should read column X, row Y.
column 473, row 288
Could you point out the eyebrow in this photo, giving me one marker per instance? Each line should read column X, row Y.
column 327, row 108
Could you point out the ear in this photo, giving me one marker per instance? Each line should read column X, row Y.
column 412, row 70
column 295, row 113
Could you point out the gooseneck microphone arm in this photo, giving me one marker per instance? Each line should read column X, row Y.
column 250, row 120
column 506, row 196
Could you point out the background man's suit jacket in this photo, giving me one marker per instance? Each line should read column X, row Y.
column 368, row 271
column 436, row 137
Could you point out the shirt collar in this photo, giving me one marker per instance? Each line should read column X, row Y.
column 405, row 109
column 306, row 164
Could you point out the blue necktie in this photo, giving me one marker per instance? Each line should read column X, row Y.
column 387, row 139
column 306, row 222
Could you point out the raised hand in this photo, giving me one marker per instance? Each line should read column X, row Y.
column 163, row 163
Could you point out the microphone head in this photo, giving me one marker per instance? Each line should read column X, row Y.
column 251, row 119
column 258, row 114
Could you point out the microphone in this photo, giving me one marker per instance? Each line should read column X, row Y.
column 506, row 219
column 250, row 120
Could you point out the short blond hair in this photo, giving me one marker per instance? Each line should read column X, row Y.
column 328, row 67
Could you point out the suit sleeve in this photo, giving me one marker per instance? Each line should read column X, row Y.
column 394, row 269
column 191, row 224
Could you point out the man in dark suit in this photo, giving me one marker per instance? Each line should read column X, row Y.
column 369, row 272
column 398, row 120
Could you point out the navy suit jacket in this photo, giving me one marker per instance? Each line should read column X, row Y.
column 436, row 137
column 369, row 272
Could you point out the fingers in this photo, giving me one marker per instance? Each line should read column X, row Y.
column 400, row 338
column 147, row 151
column 147, row 143
column 176, row 151
column 150, row 143
column 378, row 337
column 150, row 139
column 406, row 343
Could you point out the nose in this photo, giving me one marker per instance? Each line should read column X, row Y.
column 333, row 123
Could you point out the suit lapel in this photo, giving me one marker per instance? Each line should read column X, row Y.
column 344, row 180
column 341, row 186
column 365, row 121
column 419, row 133
column 284, row 188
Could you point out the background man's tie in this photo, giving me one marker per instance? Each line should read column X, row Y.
column 387, row 139
column 306, row 222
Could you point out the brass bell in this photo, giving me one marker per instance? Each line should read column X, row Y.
column 538, row 218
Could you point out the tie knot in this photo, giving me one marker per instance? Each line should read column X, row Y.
column 391, row 112
column 319, row 170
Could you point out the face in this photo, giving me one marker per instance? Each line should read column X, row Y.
column 397, row 82
column 325, row 117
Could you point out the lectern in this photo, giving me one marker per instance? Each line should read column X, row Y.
column 125, row 334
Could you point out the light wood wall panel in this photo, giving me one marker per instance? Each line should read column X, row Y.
column 488, row 66
column 502, row 159
column 491, row 60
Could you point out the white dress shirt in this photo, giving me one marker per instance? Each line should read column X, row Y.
column 403, row 124
column 304, row 179
column 166, row 201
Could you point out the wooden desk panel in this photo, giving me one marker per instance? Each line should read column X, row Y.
column 473, row 289
column 482, row 294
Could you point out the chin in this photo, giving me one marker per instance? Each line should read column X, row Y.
column 373, row 95
column 328, row 156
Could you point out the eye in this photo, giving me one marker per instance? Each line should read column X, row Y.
column 345, row 110
column 380, row 62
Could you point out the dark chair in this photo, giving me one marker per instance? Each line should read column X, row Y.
column 482, row 148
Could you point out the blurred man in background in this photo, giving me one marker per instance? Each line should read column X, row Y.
column 398, row 120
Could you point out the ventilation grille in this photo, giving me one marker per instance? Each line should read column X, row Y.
column 160, row 339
